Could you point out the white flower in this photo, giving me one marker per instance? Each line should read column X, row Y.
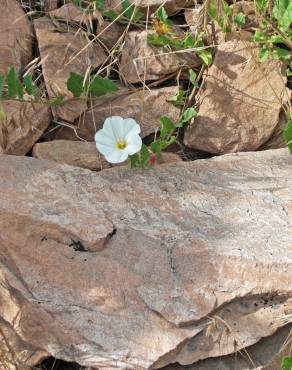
column 118, row 139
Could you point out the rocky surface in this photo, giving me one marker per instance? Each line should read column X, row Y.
column 57, row 50
column 277, row 140
column 15, row 36
column 146, row 107
column 267, row 354
column 51, row 5
column 22, row 126
column 159, row 255
column 109, row 33
column 141, row 61
column 239, row 107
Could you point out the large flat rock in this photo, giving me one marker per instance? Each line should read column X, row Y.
column 131, row 270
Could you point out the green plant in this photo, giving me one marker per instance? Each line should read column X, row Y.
column 274, row 33
column 288, row 134
column 221, row 12
column 164, row 35
column 26, row 89
column 287, row 363
column 96, row 86
column 149, row 155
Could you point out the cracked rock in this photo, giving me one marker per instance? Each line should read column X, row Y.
column 129, row 269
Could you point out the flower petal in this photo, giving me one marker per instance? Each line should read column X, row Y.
column 104, row 137
column 130, row 125
column 103, row 149
column 134, row 144
column 114, row 126
column 116, row 156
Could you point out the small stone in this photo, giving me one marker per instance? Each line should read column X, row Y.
column 58, row 51
column 16, row 36
column 240, row 101
column 141, row 61
column 75, row 153
column 22, row 126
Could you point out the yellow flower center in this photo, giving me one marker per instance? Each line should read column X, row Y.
column 121, row 144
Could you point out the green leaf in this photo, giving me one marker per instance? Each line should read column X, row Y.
column 162, row 15
column 188, row 114
column 275, row 39
column 156, row 148
column 283, row 54
column 213, row 9
column 100, row 86
column 100, row 4
column 75, row 84
column 77, row 3
column 167, row 126
column 239, row 19
column 166, row 143
column 264, row 53
column 2, row 113
column 193, row 78
column 158, row 40
column 226, row 8
column 261, row 5
column 14, row 85
column 259, row 36
column 57, row 100
column 134, row 161
column 282, row 11
column 30, row 87
column 287, row 363
column 206, row 56
column 111, row 14
column 131, row 11
column 179, row 99
column 189, row 42
column 2, row 81
column 144, row 156
column 288, row 135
